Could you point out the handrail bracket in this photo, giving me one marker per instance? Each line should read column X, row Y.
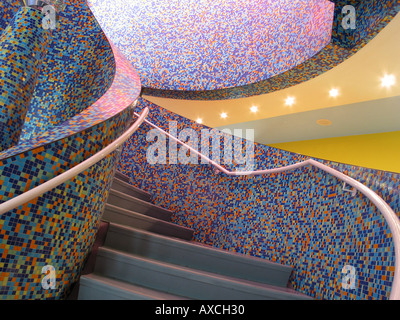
column 353, row 191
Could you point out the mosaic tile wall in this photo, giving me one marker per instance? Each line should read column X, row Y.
column 209, row 45
column 23, row 45
column 78, row 68
column 123, row 92
column 368, row 15
column 58, row 228
column 333, row 54
column 301, row 218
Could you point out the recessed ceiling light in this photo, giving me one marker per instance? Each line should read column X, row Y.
column 388, row 80
column 290, row 101
column 324, row 122
column 224, row 115
column 199, row 120
column 334, row 92
column 254, row 109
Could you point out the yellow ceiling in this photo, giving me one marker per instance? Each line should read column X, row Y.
column 357, row 78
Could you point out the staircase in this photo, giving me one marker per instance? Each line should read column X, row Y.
column 145, row 256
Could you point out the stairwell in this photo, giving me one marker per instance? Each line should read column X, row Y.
column 146, row 256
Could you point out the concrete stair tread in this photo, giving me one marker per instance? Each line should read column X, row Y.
column 128, row 202
column 126, row 187
column 146, row 256
column 120, row 290
column 177, row 279
column 137, row 220
column 195, row 255
column 121, row 176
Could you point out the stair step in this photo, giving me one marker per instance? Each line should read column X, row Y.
column 181, row 281
column 136, row 220
column 122, row 200
column 197, row 256
column 125, row 187
column 121, row 176
column 95, row 287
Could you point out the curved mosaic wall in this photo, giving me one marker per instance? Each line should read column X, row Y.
column 249, row 215
column 125, row 88
column 208, row 45
column 301, row 218
column 58, row 228
column 343, row 45
column 19, row 70
column 78, row 69
column 368, row 14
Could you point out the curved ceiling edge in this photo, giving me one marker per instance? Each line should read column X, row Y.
column 329, row 57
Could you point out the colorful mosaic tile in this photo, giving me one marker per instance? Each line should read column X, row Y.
column 332, row 55
column 58, row 228
column 78, row 69
column 23, row 45
column 209, row 45
column 122, row 93
column 301, row 218
column 367, row 15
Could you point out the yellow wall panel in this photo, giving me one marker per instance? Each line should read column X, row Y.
column 378, row 151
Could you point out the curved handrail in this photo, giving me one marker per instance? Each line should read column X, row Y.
column 69, row 174
column 389, row 215
column 387, row 212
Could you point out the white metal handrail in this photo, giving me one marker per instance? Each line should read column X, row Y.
column 387, row 212
column 73, row 172
column 389, row 215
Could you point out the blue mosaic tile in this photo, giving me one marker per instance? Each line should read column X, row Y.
column 58, row 228
column 337, row 51
column 301, row 218
column 367, row 16
column 77, row 70
column 210, row 45
column 52, row 231
column 23, row 45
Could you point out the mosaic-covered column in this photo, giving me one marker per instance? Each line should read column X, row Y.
column 23, row 45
